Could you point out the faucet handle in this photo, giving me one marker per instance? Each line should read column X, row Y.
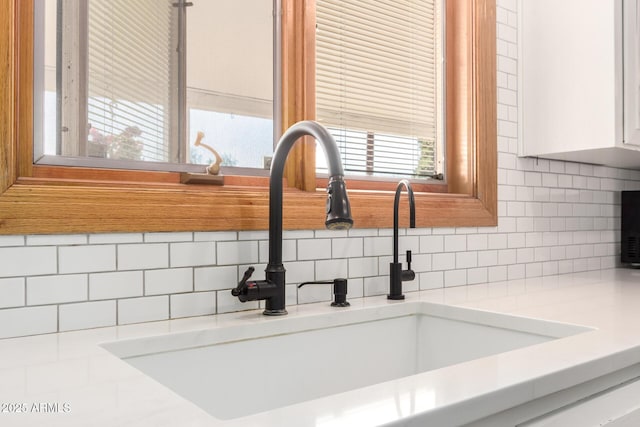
column 243, row 283
column 408, row 274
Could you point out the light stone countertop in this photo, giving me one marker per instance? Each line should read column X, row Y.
column 92, row 387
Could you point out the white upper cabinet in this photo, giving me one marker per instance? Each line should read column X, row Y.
column 631, row 59
column 579, row 87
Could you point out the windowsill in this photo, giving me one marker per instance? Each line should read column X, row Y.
column 57, row 205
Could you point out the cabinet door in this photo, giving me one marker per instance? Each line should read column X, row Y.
column 631, row 30
column 570, row 94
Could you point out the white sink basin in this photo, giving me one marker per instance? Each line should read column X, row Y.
column 268, row 363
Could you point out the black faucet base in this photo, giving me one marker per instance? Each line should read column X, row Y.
column 340, row 304
column 395, row 297
column 280, row 312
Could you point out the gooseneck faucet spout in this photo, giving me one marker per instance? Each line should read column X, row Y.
column 338, row 211
column 396, row 274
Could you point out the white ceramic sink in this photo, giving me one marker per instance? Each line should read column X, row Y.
column 267, row 363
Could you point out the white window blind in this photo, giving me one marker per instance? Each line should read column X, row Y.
column 377, row 80
column 132, row 78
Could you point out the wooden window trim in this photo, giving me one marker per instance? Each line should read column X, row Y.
column 44, row 199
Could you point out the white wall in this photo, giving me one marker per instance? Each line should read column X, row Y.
column 554, row 217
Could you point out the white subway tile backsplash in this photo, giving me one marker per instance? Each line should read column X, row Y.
column 168, row 281
column 549, row 268
column 376, row 286
column 146, row 309
column 533, row 239
column 421, row 262
column 309, row 249
column 12, row 292
column 565, row 266
column 216, row 278
column 477, row 242
column 192, row 254
column 300, row 271
column 19, row 322
column 56, row 240
column 533, row 269
column 525, row 224
column 289, row 250
column 549, row 180
column 523, row 194
column 193, row 304
column 497, row 273
column 517, row 240
column 497, row 241
column 363, row 267
column 27, row 261
column 143, row 256
column 466, row 259
column 87, row 259
column 455, row 243
column 331, row 269
column 477, row 275
column 378, row 246
column 431, row 280
column 347, row 248
column 455, row 278
column 444, row 261
column 315, row 293
column 227, row 303
column 524, row 255
column 363, row 232
column 87, row 315
column 102, row 238
column 487, row 258
column 243, row 252
column 168, row 237
column 431, row 244
column 330, row 234
column 556, row 166
column 443, row 230
column 6, row 241
column 557, row 252
column 355, row 288
column 115, row 285
column 542, row 254
column 533, row 209
column 507, row 224
column 541, row 224
column 383, row 265
column 516, row 271
column 253, row 235
column 298, row 234
column 408, row 243
column 507, row 256
column 389, row 232
column 214, row 236
column 56, row 289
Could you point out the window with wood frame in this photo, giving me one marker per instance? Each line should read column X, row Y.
column 49, row 199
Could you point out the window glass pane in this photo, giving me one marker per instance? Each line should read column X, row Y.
column 379, row 73
column 131, row 83
column 242, row 141
column 138, row 80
